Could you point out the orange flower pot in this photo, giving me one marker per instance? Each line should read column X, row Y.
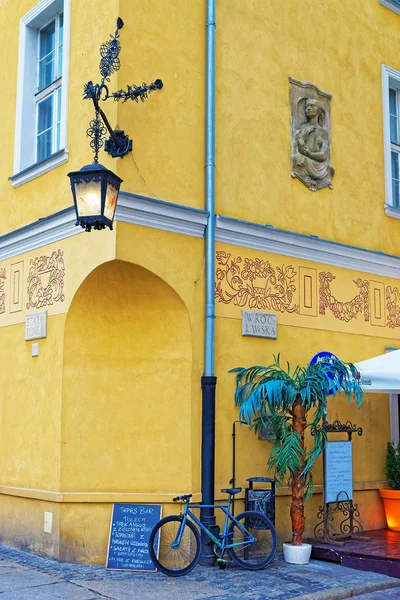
column 391, row 502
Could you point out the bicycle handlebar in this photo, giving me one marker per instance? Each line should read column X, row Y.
column 184, row 497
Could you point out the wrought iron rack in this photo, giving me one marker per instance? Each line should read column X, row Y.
column 350, row 528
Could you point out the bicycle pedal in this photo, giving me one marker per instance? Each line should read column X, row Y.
column 221, row 563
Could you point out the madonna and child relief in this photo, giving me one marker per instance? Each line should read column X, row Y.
column 310, row 135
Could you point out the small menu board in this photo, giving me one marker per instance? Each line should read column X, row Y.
column 338, row 471
column 131, row 525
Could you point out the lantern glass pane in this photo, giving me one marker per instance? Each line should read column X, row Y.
column 111, row 200
column 88, row 198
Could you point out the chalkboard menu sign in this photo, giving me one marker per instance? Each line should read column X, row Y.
column 131, row 525
column 338, row 471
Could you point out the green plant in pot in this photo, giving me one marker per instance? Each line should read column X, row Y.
column 391, row 495
column 292, row 402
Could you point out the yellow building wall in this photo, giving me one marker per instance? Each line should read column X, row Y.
column 318, row 307
column 62, row 442
column 127, row 380
column 115, row 388
column 259, row 45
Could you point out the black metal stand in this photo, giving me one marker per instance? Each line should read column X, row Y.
column 350, row 527
column 233, row 480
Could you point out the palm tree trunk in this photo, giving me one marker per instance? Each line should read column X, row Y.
column 297, row 506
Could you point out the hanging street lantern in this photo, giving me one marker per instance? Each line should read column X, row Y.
column 95, row 189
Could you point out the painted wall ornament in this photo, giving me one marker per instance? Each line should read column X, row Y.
column 46, row 280
column 2, row 292
column 310, row 135
column 255, row 283
column 260, row 284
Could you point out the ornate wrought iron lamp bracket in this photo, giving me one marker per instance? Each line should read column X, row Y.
column 118, row 143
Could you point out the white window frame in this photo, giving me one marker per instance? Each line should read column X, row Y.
column 390, row 78
column 25, row 147
column 395, row 6
column 51, row 89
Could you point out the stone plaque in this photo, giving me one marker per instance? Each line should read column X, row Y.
column 259, row 324
column 36, row 326
column 338, row 471
column 310, row 111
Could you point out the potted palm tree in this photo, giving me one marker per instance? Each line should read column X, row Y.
column 285, row 399
column 391, row 495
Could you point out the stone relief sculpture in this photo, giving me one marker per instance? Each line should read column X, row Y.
column 310, row 135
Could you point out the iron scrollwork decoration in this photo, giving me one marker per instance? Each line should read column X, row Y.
column 350, row 527
column 118, row 143
column 338, row 427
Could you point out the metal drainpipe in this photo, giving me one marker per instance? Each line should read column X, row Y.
column 209, row 381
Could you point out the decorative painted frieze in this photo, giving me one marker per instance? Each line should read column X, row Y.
column 299, row 291
column 255, row 283
column 46, row 280
column 344, row 311
column 2, row 292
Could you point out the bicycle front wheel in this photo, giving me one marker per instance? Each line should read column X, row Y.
column 257, row 554
column 174, row 561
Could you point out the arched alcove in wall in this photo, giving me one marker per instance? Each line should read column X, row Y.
column 127, row 385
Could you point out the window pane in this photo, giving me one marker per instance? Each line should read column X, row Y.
column 44, row 145
column 47, row 39
column 395, row 192
column 46, row 71
column 393, row 130
column 393, row 116
column 60, row 44
column 395, row 180
column 61, row 32
column 45, row 114
column 392, row 102
column 58, row 124
column 58, row 92
column 60, row 59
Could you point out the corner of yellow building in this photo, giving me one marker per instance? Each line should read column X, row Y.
column 105, row 407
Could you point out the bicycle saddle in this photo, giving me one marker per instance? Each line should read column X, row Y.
column 231, row 491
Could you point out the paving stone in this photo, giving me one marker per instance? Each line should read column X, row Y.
column 393, row 594
column 21, row 578
column 278, row 581
column 57, row 591
column 161, row 589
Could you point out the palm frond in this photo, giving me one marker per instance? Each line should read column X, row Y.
column 266, row 395
column 309, row 485
column 287, row 455
column 319, row 437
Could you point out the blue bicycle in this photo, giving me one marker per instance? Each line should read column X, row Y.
column 250, row 538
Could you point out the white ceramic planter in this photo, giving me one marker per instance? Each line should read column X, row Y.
column 297, row 555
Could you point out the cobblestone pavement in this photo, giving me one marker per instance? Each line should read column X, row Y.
column 393, row 594
column 24, row 576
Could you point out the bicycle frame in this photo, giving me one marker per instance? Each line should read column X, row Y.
column 221, row 543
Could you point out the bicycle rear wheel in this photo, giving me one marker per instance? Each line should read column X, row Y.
column 174, row 561
column 253, row 555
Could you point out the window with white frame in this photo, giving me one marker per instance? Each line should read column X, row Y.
column 394, row 101
column 41, row 114
column 49, row 87
column 391, row 112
